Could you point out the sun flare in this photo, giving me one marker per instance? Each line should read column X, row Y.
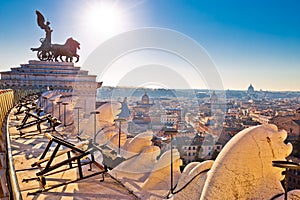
column 104, row 18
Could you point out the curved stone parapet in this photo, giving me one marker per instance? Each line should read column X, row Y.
column 243, row 169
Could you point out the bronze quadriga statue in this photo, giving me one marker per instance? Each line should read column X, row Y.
column 51, row 52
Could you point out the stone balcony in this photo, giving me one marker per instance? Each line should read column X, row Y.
column 28, row 149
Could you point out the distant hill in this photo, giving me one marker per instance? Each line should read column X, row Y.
column 107, row 92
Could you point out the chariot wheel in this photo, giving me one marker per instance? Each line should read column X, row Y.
column 44, row 55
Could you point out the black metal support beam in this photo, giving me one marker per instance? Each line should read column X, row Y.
column 77, row 157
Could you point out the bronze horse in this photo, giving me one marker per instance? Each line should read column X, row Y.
column 69, row 50
column 48, row 51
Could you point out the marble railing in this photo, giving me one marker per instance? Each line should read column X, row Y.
column 6, row 103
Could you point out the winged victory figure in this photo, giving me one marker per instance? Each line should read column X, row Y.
column 45, row 26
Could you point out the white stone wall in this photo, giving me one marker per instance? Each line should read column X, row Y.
column 55, row 75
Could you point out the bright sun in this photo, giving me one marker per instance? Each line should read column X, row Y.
column 104, row 18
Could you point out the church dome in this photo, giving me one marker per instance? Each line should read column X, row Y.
column 250, row 89
column 145, row 99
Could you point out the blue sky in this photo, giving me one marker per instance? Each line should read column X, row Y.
column 254, row 42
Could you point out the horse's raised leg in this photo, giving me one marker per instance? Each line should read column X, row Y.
column 77, row 56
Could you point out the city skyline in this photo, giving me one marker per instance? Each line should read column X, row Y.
column 249, row 42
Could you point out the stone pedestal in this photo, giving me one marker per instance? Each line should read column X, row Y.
column 43, row 75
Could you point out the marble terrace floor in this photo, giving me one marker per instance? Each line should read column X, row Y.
column 27, row 149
